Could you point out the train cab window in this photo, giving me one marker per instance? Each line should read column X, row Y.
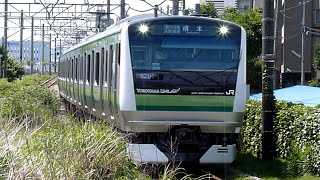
column 97, row 68
column 88, row 68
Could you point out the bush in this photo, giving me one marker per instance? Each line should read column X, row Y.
column 297, row 134
column 26, row 98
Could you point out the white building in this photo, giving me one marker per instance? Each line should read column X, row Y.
column 220, row 5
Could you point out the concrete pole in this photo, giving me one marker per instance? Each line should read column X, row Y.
column 175, row 7
column 156, row 11
column 108, row 12
column 21, row 37
column 50, row 53
column 42, row 51
column 31, row 46
column 5, row 38
column 122, row 9
column 55, row 55
column 302, row 41
column 268, row 147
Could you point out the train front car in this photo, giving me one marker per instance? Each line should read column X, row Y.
column 183, row 90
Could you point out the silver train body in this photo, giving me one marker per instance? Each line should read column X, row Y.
column 173, row 80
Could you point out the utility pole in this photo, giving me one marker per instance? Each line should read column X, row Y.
column 21, row 37
column 55, row 55
column 50, row 53
column 122, row 9
column 156, row 11
column 175, row 7
column 5, row 38
column 302, row 40
column 31, row 46
column 42, row 51
column 267, row 80
column 275, row 42
column 108, row 13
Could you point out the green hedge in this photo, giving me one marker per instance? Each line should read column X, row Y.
column 297, row 134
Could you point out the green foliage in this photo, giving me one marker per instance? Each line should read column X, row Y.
column 26, row 98
column 251, row 21
column 67, row 150
column 297, row 133
column 316, row 60
column 209, row 10
column 14, row 69
column 314, row 83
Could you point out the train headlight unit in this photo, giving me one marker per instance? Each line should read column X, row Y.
column 143, row 28
column 223, row 30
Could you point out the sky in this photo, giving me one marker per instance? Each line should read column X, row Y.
column 13, row 9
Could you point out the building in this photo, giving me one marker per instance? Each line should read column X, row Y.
column 14, row 51
column 289, row 41
column 220, row 5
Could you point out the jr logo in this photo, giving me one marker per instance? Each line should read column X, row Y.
column 230, row 92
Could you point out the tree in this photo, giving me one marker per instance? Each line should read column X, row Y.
column 316, row 65
column 14, row 69
column 251, row 21
column 209, row 10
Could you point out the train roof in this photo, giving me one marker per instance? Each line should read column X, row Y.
column 136, row 19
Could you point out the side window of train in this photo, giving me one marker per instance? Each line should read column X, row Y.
column 111, row 60
column 118, row 53
column 69, row 69
column 72, row 69
column 81, row 68
column 88, row 67
column 106, row 67
column 97, row 68
column 101, row 67
column 85, row 68
column 92, row 67
column 76, row 69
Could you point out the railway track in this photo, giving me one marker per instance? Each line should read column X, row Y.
column 50, row 82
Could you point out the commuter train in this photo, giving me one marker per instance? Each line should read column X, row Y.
column 177, row 83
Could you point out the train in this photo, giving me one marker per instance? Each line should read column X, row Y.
column 176, row 83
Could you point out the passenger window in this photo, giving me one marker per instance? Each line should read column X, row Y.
column 88, row 68
column 76, row 69
column 97, row 67
column 106, row 67
column 102, row 66
column 118, row 53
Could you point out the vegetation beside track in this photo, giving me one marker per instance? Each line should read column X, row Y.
column 297, row 137
column 37, row 143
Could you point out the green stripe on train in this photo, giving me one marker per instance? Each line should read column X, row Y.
column 184, row 103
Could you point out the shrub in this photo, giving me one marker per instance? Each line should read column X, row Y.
column 297, row 134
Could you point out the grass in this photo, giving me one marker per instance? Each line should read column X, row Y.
column 266, row 170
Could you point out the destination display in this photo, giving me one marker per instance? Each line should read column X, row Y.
column 184, row 29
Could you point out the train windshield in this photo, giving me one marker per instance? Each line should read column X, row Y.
column 189, row 46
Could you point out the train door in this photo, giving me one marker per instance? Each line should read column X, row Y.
column 106, row 79
column 114, row 80
column 101, row 80
column 109, row 79
column 97, row 82
column 78, row 69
